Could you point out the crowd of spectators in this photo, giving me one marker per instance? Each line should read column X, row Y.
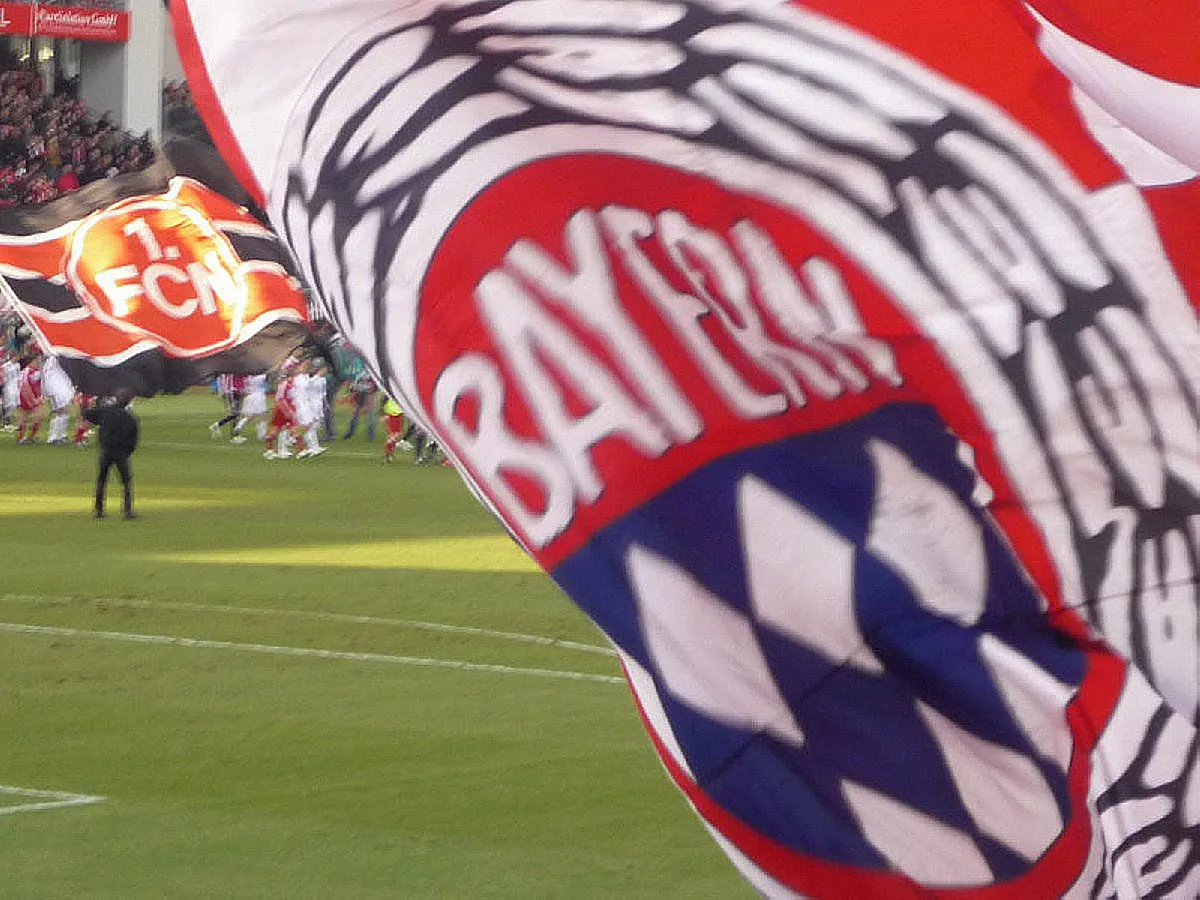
column 180, row 116
column 177, row 98
column 89, row 4
column 51, row 144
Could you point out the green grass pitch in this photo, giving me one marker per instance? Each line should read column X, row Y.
column 329, row 678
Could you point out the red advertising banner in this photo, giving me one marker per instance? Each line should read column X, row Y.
column 79, row 23
column 15, row 19
column 76, row 22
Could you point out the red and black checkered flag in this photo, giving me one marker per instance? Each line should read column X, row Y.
column 154, row 281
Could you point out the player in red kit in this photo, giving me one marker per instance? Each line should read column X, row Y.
column 234, row 389
column 83, row 428
column 29, row 401
column 284, row 418
column 393, row 415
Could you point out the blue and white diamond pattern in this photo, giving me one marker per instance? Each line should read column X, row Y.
column 843, row 652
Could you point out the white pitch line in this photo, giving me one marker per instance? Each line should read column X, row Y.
column 43, row 800
column 316, row 616
column 198, row 644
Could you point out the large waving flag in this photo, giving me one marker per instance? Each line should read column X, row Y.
column 153, row 281
column 840, row 359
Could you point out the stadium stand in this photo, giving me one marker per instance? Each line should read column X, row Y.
column 50, row 143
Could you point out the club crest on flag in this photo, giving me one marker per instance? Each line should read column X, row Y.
column 845, row 378
column 154, row 289
column 160, row 268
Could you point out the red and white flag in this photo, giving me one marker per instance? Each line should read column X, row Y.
column 152, row 282
column 839, row 358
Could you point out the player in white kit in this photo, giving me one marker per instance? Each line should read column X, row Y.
column 254, row 409
column 308, row 410
column 317, row 396
column 10, row 374
column 59, row 392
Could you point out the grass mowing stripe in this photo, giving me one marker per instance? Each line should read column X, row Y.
column 257, row 775
column 196, row 643
column 539, row 640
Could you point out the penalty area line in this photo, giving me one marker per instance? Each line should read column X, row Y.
column 317, row 616
column 309, row 652
column 39, row 801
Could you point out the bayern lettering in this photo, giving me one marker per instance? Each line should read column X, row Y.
column 686, row 314
column 732, row 305
column 529, row 336
column 538, row 312
column 495, row 452
column 590, row 294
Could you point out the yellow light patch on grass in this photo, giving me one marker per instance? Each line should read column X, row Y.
column 53, row 498
column 12, row 505
column 492, row 553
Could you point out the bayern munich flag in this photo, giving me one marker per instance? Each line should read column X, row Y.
column 839, row 358
column 153, row 281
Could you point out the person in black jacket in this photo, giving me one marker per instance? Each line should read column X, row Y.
column 118, row 439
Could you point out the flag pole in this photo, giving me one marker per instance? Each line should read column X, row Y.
column 9, row 302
